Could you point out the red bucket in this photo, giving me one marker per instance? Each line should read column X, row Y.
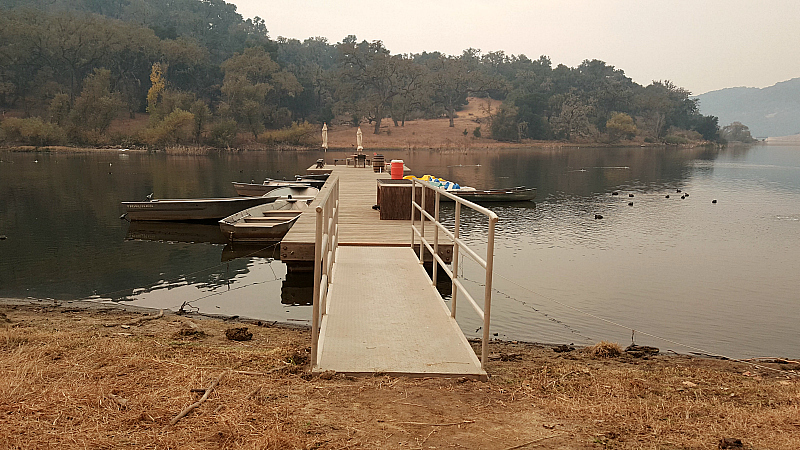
column 397, row 169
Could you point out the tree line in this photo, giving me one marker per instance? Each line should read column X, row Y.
column 207, row 76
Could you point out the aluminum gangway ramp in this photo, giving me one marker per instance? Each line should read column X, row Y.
column 385, row 316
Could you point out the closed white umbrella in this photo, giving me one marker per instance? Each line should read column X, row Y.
column 325, row 136
column 359, row 139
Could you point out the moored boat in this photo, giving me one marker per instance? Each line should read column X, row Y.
column 516, row 194
column 198, row 209
column 293, row 192
column 258, row 190
column 313, row 182
column 268, row 222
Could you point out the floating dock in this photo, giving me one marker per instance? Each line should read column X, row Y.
column 359, row 223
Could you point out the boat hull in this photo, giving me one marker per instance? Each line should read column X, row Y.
column 496, row 195
column 263, row 223
column 257, row 190
column 205, row 209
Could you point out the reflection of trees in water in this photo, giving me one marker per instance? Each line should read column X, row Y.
column 578, row 171
column 212, row 279
column 61, row 216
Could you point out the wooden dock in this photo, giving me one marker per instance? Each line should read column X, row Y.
column 380, row 312
column 359, row 224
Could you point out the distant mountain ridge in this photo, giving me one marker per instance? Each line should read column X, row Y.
column 769, row 111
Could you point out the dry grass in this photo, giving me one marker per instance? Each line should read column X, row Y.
column 605, row 349
column 425, row 134
column 78, row 379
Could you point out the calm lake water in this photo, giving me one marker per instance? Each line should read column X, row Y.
column 720, row 278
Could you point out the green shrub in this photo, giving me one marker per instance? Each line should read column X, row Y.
column 505, row 125
column 477, row 132
column 33, row 131
column 620, row 126
column 299, row 134
column 223, row 133
column 177, row 127
column 675, row 140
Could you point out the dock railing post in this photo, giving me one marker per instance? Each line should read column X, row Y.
column 435, row 263
column 413, row 210
column 326, row 241
column 317, row 279
column 422, row 227
column 487, row 292
column 455, row 260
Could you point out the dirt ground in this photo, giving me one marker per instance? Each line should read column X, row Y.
column 78, row 375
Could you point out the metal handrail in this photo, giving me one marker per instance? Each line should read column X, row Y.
column 326, row 241
column 458, row 244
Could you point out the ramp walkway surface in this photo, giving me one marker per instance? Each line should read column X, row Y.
column 384, row 315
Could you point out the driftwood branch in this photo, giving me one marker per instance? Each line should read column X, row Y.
column 533, row 441
column 197, row 404
column 768, row 359
column 437, row 424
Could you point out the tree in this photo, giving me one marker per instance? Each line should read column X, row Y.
column 413, row 92
column 572, row 118
column 157, row 86
column 619, row 126
column 311, row 62
column 504, row 124
column 97, row 106
column 662, row 105
column 708, row 127
column 202, row 115
column 370, row 75
column 245, row 87
column 738, row 132
column 533, row 108
column 453, row 79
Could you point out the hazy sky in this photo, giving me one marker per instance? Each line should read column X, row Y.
column 701, row 45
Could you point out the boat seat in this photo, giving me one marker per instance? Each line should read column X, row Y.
column 284, row 212
column 267, row 219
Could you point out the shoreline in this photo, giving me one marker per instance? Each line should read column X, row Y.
column 109, row 375
column 198, row 150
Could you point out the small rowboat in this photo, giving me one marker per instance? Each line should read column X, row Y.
column 269, row 222
column 257, row 190
column 292, row 192
column 516, row 194
column 313, row 182
column 190, row 209
column 314, row 176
